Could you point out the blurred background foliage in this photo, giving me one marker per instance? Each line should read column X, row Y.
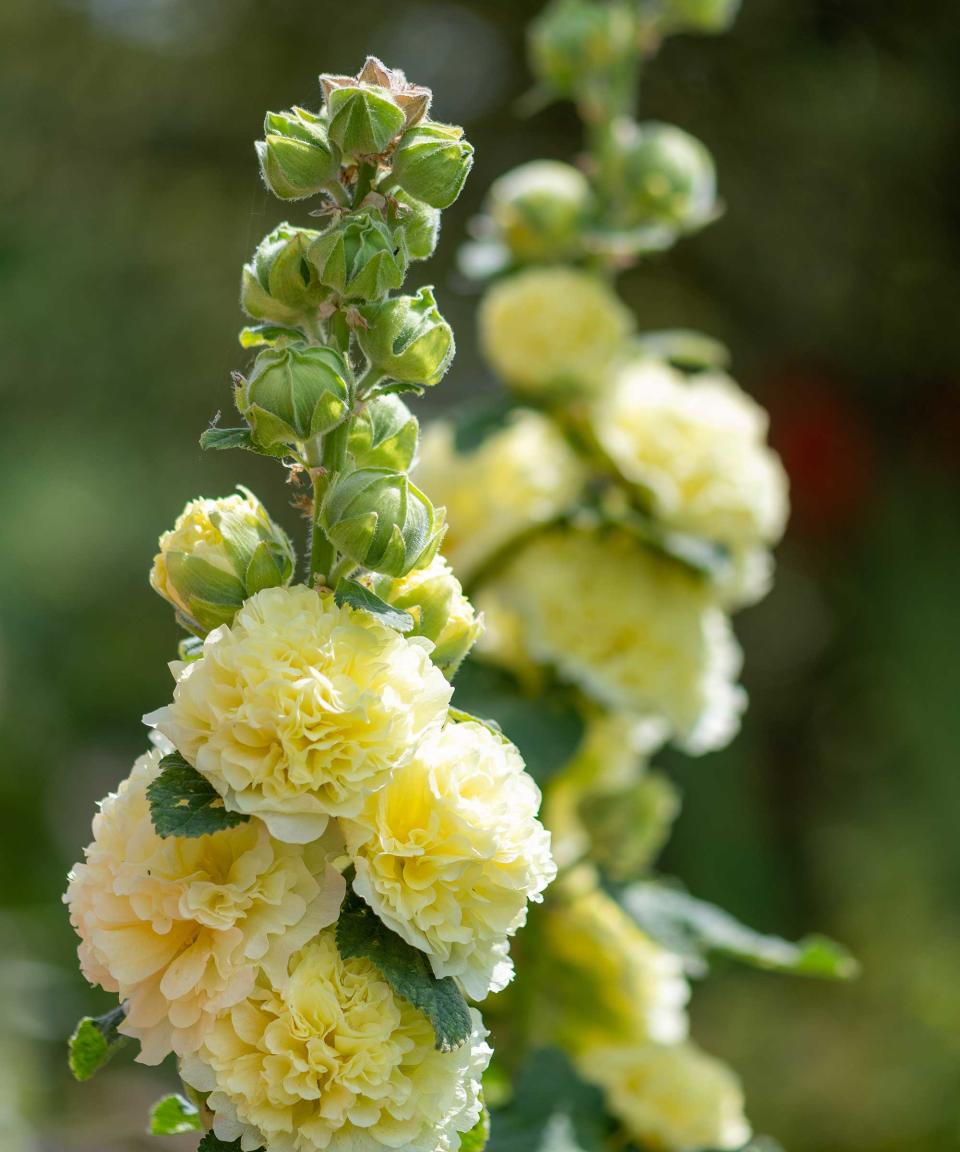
column 129, row 198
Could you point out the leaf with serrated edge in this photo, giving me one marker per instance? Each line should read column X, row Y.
column 94, row 1042
column 173, row 1115
column 361, row 935
column 696, row 928
column 184, row 803
column 349, row 592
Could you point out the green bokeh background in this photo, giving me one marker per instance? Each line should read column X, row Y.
column 129, row 199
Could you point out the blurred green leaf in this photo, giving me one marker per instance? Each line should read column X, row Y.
column 174, row 1115
column 95, row 1042
column 184, row 803
column 360, row 933
column 476, row 1139
column 697, row 929
column 473, row 423
column 211, row 1143
column 546, row 728
column 552, row 1110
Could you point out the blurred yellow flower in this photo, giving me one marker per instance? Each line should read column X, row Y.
column 520, row 476
column 696, row 446
column 180, row 926
column 635, row 630
column 302, row 708
column 335, row 1062
column 553, row 330
column 606, row 981
column 449, row 853
column 670, row 1098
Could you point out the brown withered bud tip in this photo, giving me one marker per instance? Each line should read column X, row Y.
column 412, row 99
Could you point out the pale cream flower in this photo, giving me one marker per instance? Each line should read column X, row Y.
column 635, row 630
column 301, row 708
column 449, row 853
column 335, row 1061
column 441, row 612
column 522, row 475
column 696, row 446
column 553, row 330
column 219, row 552
column 179, row 927
column 673, row 1098
column 608, row 981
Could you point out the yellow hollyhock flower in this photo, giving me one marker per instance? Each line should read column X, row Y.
column 180, row 927
column 449, row 853
column 301, row 708
column 336, row 1062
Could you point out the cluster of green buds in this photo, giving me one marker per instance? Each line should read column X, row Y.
column 336, row 343
column 642, row 185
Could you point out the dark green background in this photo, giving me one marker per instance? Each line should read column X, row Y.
column 129, row 199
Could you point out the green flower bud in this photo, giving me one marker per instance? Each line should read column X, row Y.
column 279, row 285
column 379, row 519
column 359, row 258
column 364, row 121
column 700, row 15
column 294, row 394
column 432, row 162
column 384, row 434
column 541, row 209
column 218, row 553
column 442, row 613
column 419, row 223
column 296, row 157
column 573, row 43
column 668, row 176
column 407, row 339
column 412, row 99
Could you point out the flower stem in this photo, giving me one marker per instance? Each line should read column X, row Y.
column 323, row 555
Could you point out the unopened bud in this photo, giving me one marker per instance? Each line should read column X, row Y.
column 667, row 176
column 379, row 519
column 441, row 612
column 412, row 99
column 573, row 43
column 541, row 209
column 432, row 162
column 407, row 339
column 384, row 434
column 218, row 553
column 359, row 258
column 278, row 284
column 364, row 120
column 296, row 155
column 419, row 223
column 294, row 394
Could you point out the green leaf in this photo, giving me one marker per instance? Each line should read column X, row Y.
column 211, row 1143
column 174, row 1115
column 475, row 422
column 695, row 929
column 462, row 717
column 94, row 1042
column 546, row 728
column 357, row 596
column 476, row 1139
column 260, row 335
column 629, row 827
column 397, row 388
column 361, row 934
column 221, row 438
column 184, row 803
column 552, row 1110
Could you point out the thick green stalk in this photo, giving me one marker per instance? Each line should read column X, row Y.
column 333, row 455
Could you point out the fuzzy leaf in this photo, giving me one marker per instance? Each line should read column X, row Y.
column 174, row 1115
column 361, row 934
column 696, row 929
column 184, row 803
column 349, row 592
column 94, row 1042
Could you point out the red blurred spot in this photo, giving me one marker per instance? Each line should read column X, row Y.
column 826, row 445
